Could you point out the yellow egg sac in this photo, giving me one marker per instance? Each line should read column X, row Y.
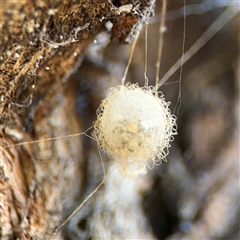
column 134, row 126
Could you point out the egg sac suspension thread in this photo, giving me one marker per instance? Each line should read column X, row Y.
column 134, row 126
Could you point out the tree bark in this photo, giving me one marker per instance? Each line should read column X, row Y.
column 42, row 44
column 58, row 59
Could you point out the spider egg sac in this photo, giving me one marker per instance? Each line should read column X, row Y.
column 134, row 126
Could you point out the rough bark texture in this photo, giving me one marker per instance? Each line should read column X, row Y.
column 53, row 77
column 42, row 43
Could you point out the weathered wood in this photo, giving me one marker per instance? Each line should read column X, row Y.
column 194, row 195
column 42, row 44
